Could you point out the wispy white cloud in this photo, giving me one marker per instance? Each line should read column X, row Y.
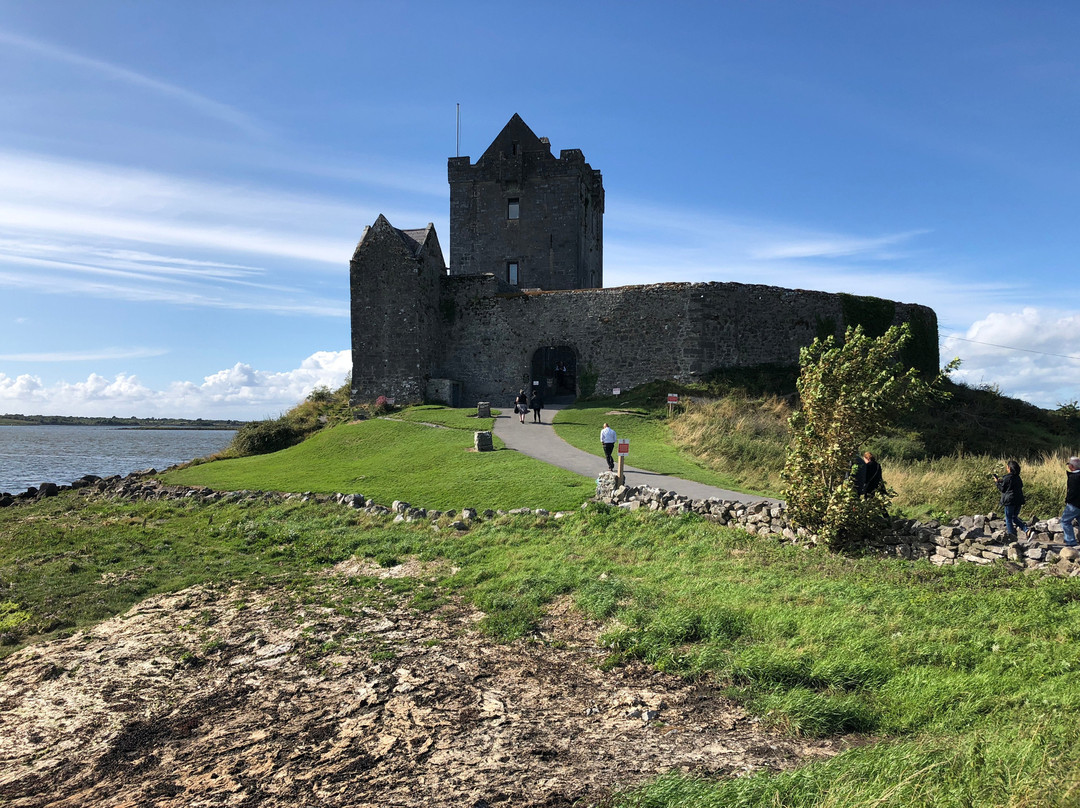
column 194, row 298
column 645, row 244
column 202, row 104
column 836, row 247
column 240, row 391
column 52, row 199
column 85, row 356
column 109, row 231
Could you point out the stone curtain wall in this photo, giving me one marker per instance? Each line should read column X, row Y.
column 632, row 335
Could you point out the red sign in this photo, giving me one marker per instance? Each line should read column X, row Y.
column 624, row 447
column 672, row 398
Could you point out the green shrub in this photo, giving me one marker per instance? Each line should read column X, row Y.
column 264, row 437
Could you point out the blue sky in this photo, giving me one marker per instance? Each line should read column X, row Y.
column 182, row 184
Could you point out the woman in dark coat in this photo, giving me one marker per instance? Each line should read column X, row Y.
column 873, row 482
column 1012, row 497
column 537, row 404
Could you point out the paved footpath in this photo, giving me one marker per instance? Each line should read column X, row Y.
column 541, row 442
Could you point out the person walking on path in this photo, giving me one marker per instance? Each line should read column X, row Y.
column 873, row 481
column 607, row 438
column 521, row 405
column 1012, row 497
column 537, row 404
column 1072, row 501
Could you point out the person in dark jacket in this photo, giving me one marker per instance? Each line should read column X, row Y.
column 873, row 481
column 1072, row 501
column 537, row 404
column 1012, row 497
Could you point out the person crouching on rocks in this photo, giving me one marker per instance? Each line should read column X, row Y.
column 1012, row 497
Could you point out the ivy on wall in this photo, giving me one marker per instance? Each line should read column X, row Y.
column 875, row 315
column 872, row 313
column 587, row 379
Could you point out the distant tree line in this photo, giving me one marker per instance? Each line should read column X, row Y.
column 15, row 419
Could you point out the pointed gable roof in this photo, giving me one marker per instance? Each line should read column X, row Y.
column 515, row 131
column 414, row 241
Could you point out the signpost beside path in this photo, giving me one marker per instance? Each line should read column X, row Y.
column 624, row 450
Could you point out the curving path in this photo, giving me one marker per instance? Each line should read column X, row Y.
column 541, row 442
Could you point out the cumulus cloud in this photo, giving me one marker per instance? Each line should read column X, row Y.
column 1033, row 354
column 241, row 392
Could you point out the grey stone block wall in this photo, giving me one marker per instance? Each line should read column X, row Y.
column 632, row 335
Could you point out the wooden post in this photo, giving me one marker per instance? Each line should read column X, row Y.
column 621, row 477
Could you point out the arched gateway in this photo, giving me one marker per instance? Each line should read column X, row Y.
column 555, row 367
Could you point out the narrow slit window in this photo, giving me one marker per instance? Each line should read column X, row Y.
column 513, row 208
column 512, row 273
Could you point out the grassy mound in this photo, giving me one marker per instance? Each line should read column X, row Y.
column 432, row 466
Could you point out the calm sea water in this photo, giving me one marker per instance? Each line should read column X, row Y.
column 31, row 455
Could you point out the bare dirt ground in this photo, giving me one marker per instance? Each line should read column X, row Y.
column 229, row 697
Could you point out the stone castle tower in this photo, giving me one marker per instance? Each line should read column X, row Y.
column 523, row 305
column 533, row 221
column 395, row 322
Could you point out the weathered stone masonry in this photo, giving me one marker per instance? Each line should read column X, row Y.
column 466, row 334
column 632, row 335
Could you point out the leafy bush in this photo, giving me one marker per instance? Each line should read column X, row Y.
column 263, row 437
column 322, row 408
column 849, row 394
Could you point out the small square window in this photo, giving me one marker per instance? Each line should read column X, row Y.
column 512, row 273
column 513, row 208
column 515, row 147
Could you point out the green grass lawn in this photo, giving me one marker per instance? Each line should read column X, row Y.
column 407, row 460
column 961, row 681
column 650, row 444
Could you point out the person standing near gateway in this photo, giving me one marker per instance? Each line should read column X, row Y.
column 1072, row 501
column 537, row 404
column 1012, row 497
column 607, row 439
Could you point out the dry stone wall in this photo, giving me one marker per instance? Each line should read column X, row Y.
column 979, row 539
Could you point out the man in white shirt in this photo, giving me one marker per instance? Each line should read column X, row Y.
column 607, row 438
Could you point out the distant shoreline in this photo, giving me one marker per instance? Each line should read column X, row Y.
column 120, row 423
